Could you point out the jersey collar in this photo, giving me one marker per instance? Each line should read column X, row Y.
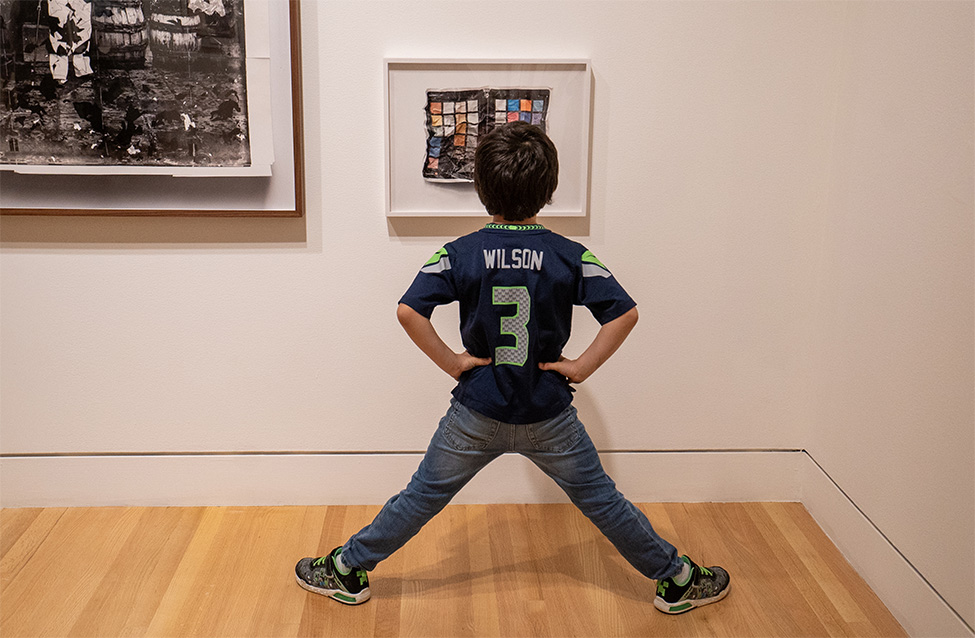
column 519, row 227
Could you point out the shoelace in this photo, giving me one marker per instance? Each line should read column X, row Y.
column 318, row 562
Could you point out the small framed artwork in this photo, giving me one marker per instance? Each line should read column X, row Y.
column 437, row 110
column 150, row 107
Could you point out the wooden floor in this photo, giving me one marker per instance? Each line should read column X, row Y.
column 495, row 570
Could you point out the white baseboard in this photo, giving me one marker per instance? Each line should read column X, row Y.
column 912, row 601
column 346, row 479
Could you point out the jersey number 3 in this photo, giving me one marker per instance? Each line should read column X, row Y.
column 515, row 325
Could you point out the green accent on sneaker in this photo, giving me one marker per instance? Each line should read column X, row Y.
column 662, row 586
column 338, row 596
column 682, row 607
column 363, row 579
column 690, row 573
column 346, row 571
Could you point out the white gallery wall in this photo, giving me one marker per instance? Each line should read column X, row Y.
column 784, row 187
column 893, row 407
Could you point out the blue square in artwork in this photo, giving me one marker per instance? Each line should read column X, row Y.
column 435, row 147
column 538, row 106
column 525, row 116
column 513, row 105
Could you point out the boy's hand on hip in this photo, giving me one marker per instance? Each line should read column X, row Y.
column 465, row 361
column 568, row 368
column 610, row 336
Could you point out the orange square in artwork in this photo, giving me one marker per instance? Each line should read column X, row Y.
column 462, row 128
column 436, row 107
column 526, row 105
column 459, row 140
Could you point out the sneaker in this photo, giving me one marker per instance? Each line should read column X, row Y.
column 322, row 576
column 705, row 586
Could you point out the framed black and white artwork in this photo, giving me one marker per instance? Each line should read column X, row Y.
column 105, row 103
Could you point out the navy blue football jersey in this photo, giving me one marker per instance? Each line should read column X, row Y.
column 516, row 286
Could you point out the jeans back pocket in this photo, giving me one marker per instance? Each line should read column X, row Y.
column 465, row 430
column 557, row 434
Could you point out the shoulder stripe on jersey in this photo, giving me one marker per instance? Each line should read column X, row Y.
column 438, row 263
column 592, row 270
column 436, row 256
column 592, row 267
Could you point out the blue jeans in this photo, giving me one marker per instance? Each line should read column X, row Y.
column 466, row 441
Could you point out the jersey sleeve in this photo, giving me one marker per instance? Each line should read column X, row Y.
column 600, row 292
column 433, row 286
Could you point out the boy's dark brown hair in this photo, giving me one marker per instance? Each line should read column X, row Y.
column 516, row 171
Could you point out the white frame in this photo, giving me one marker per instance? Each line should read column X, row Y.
column 257, row 77
column 279, row 195
column 406, row 81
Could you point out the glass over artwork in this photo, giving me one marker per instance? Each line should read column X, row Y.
column 456, row 119
column 123, row 83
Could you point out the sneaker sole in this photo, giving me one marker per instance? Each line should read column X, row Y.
column 343, row 597
column 688, row 605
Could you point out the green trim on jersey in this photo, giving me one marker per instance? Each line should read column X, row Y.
column 589, row 258
column 493, row 226
column 440, row 262
column 592, row 267
column 437, row 256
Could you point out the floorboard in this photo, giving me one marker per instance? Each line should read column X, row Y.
column 475, row 570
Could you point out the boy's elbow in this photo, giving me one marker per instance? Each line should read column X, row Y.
column 402, row 313
column 405, row 315
column 632, row 316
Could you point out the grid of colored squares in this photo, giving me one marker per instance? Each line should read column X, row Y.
column 455, row 120
column 515, row 110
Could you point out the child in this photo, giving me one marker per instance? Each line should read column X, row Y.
column 516, row 283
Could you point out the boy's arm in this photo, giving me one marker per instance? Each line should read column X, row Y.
column 609, row 338
column 425, row 336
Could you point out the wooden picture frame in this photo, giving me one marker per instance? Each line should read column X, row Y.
column 281, row 194
column 569, row 84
